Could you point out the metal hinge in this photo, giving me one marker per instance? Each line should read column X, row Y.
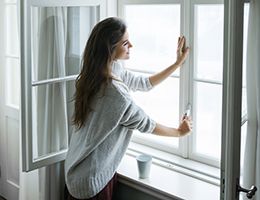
column 222, row 189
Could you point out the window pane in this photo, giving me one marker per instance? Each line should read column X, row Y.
column 52, row 108
column 153, row 31
column 207, row 117
column 244, row 92
column 209, row 24
column 11, row 31
column 244, row 96
column 59, row 36
column 243, row 146
column 162, row 104
column 12, row 90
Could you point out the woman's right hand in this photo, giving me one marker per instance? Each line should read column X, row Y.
column 182, row 51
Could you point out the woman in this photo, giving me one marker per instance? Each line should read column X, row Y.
column 105, row 113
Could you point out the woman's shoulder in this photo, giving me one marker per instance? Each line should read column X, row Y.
column 117, row 68
column 117, row 65
column 113, row 99
column 119, row 89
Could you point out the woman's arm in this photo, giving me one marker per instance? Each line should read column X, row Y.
column 184, row 128
column 182, row 53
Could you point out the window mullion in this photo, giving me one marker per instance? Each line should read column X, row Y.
column 185, row 83
column 54, row 80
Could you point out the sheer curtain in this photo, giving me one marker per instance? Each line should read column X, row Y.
column 251, row 173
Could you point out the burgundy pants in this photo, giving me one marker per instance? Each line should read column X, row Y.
column 105, row 194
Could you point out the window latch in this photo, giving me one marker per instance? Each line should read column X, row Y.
column 187, row 110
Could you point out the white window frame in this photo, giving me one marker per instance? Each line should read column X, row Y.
column 29, row 163
column 191, row 154
column 183, row 100
column 186, row 144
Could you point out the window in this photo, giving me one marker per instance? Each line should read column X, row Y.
column 151, row 51
column 11, row 57
column 206, row 83
column 55, row 39
column 153, row 28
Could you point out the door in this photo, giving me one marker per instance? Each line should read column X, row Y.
column 9, row 101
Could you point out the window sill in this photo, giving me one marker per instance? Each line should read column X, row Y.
column 168, row 181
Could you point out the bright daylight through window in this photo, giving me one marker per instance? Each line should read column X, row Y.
column 152, row 51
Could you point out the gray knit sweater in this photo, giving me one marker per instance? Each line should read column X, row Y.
column 96, row 149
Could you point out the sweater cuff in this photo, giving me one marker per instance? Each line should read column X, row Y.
column 148, row 83
column 152, row 127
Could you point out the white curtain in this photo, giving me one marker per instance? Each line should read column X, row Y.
column 251, row 173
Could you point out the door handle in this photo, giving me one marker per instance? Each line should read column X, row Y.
column 249, row 193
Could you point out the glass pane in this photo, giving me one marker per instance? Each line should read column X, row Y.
column 153, row 31
column 242, row 157
column 11, row 31
column 244, row 92
column 59, row 36
column 52, row 109
column 162, row 104
column 12, row 78
column 244, row 99
column 207, row 119
column 242, row 145
column 208, row 37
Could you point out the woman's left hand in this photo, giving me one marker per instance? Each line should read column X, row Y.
column 182, row 51
column 185, row 126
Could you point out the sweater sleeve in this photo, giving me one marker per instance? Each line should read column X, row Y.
column 131, row 115
column 134, row 117
column 134, row 82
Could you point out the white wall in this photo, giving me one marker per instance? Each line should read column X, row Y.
column 2, row 158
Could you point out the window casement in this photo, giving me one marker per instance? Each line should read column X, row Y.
column 151, row 50
column 154, row 27
column 53, row 36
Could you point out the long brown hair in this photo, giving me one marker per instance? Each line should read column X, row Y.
column 95, row 72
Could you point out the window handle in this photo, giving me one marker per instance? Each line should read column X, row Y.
column 187, row 110
column 249, row 193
